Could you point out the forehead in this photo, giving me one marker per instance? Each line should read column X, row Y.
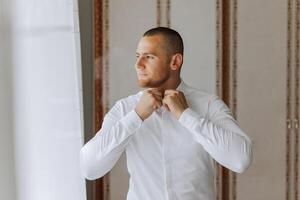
column 150, row 44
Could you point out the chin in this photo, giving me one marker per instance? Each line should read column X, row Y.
column 148, row 83
column 143, row 84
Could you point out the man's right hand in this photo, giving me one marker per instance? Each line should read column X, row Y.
column 150, row 100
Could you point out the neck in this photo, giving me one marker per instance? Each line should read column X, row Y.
column 170, row 84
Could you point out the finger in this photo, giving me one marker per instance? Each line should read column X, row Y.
column 168, row 96
column 157, row 95
column 155, row 89
column 166, row 106
column 169, row 91
column 157, row 105
column 165, row 102
column 173, row 91
column 156, row 92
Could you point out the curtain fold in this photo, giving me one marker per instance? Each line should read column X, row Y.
column 44, row 58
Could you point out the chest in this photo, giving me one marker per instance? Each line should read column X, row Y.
column 161, row 134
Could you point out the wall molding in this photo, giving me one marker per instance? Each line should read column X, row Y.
column 226, row 83
column 163, row 13
column 101, row 186
column 292, row 100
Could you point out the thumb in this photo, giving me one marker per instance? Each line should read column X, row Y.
column 166, row 106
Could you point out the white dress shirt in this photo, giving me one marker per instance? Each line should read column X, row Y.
column 169, row 159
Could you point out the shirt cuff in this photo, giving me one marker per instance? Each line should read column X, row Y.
column 132, row 121
column 189, row 118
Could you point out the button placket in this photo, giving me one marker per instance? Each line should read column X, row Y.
column 165, row 153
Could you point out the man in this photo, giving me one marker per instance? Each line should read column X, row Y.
column 171, row 132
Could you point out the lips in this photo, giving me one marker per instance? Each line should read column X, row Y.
column 141, row 74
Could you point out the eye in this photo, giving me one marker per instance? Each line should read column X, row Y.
column 149, row 57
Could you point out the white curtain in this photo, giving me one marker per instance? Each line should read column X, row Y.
column 40, row 55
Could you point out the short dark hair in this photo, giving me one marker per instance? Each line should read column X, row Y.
column 173, row 40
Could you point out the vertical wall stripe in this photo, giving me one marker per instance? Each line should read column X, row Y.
column 219, row 81
column 158, row 12
column 226, row 84
column 218, row 85
column 168, row 13
column 234, row 58
column 218, row 47
column 296, row 109
column 98, row 185
column 288, row 99
column 106, row 56
column 163, row 13
column 105, row 78
column 226, row 54
column 101, row 62
column 98, row 54
column 234, row 82
column 292, row 100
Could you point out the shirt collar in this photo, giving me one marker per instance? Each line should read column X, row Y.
column 182, row 86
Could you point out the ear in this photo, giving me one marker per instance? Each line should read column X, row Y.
column 176, row 61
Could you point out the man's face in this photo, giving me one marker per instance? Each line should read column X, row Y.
column 152, row 62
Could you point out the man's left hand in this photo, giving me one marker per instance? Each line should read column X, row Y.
column 175, row 102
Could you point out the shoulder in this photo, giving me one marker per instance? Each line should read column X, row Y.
column 211, row 103
column 195, row 94
column 204, row 102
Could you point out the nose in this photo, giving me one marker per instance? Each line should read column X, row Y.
column 139, row 62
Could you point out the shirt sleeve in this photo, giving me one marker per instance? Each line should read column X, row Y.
column 100, row 154
column 220, row 135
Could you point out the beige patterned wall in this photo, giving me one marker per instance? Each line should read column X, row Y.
column 261, row 96
column 245, row 51
column 267, row 96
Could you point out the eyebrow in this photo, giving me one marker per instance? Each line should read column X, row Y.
column 146, row 53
